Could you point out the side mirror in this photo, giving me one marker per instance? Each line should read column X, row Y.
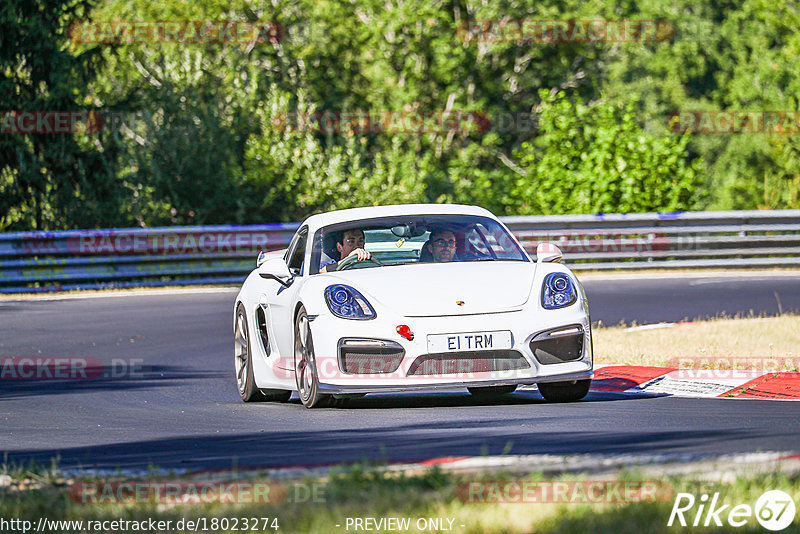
column 275, row 269
column 548, row 253
column 264, row 256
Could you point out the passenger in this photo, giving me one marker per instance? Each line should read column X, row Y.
column 442, row 246
column 348, row 243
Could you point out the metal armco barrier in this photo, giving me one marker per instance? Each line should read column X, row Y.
column 135, row 257
column 96, row 259
column 667, row 240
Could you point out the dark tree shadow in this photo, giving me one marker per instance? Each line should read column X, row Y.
column 103, row 379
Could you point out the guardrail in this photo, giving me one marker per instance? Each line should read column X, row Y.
column 96, row 259
column 667, row 240
column 137, row 257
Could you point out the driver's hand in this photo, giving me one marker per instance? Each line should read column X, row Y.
column 361, row 253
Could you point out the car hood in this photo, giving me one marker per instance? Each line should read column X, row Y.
column 436, row 289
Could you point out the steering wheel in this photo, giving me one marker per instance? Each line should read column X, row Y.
column 350, row 261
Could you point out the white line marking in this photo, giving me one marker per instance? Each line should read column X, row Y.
column 747, row 275
column 117, row 293
column 653, row 326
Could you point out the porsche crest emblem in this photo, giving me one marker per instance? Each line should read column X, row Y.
column 459, row 302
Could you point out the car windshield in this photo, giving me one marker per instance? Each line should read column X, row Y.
column 416, row 239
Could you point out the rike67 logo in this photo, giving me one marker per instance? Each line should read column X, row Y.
column 774, row 510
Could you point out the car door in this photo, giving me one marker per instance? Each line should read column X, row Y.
column 282, row 299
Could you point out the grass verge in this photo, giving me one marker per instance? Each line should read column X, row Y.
column 720, row 343
column 431, row 501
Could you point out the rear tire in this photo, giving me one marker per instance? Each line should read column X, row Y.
column 491, row 391
column 243, row 365
column 565, row 391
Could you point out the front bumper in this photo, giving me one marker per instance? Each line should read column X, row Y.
column 415, row 386
column 329, row 331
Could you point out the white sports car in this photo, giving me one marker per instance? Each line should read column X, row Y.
column 410, row 297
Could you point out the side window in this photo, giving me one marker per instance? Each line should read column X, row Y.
column 298, row 253
column 477, row 242
column 500, row 244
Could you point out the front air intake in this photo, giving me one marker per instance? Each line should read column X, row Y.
column 369, row 356
column 468, row 362
column 559, row 345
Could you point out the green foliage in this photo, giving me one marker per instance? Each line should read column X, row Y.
column 203, row 150
column 289, row 174
column 49, row 180
column 596, row 159
column 722, row 57
column 374, row 491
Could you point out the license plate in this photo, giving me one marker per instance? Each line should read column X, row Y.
column 469, row 341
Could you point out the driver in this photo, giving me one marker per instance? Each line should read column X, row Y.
column 348, row 243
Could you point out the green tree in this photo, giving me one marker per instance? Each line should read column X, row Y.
column 290, row 174
column 50, row 180
column 207, row 152
column 722, row 56
column 596, row 159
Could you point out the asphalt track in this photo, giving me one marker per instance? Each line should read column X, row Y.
column 180, row 409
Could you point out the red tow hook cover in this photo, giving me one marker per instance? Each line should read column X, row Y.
column 405, row 331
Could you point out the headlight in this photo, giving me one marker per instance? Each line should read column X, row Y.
column 347, row 303
column 558, row 291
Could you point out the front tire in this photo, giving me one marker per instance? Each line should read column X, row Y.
column 243, row 364
column 565, row 391
column 305, row 365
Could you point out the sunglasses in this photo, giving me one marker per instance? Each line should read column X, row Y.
column 444, row 243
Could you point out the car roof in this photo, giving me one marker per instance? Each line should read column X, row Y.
column 372, row 212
